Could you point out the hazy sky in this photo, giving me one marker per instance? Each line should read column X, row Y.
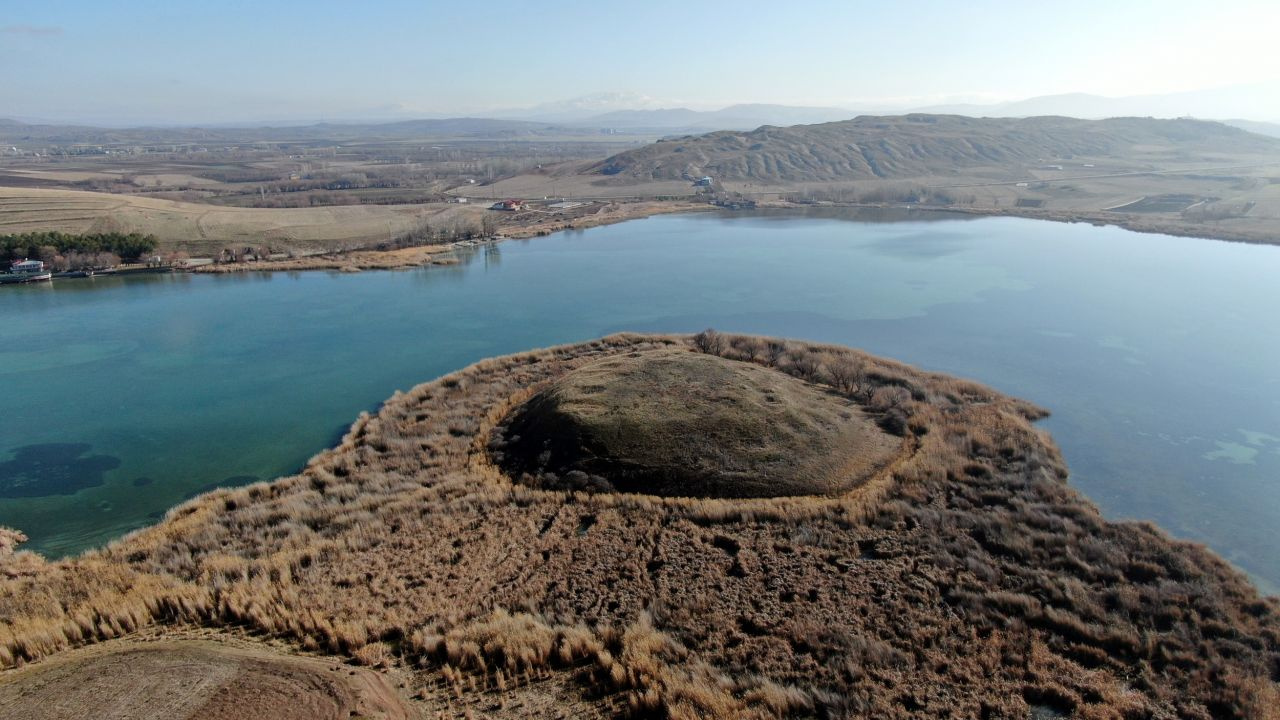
column 137, row 60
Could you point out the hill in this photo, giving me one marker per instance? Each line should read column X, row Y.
column 202, row 229
column 912, row 146
column 1261, row 128
column 691, row 424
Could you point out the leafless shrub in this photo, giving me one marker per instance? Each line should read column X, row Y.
column 775, row 350
column 710, row 342
column 805, row 365
column 889, row 398
column 748, row 348
column 846, row 373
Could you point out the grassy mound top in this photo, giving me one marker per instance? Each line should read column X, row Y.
column 680, row 423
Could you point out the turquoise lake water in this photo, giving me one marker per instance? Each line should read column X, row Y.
column 1158, row 356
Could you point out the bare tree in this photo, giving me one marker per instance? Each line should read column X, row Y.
column 750, row 347
column 709, row 341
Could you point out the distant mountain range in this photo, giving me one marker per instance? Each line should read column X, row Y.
column 1257, row 102
column 18, row 133
column 636, row 113
column 734, row 117
column 633, row 113
column 581, row 108
column 1260, row 103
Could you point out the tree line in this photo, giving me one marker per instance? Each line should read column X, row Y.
column 67, row 251
column 425, row 233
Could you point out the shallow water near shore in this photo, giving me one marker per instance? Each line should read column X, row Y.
column 1157, row 355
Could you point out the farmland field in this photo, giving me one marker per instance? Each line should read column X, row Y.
column 200, row 228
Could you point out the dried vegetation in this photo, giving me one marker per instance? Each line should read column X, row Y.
column 967, row 580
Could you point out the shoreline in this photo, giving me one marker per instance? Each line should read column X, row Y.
column 428, row 255
column 1099, row 218
column 409, row 257
column 613, row 213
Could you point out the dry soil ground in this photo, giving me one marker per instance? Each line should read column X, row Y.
column 203, row 678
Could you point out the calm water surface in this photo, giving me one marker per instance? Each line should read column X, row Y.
column 1159, row 356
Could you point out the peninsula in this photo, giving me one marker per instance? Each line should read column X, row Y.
column 567, row 530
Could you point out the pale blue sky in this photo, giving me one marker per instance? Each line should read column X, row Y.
column 141, row 60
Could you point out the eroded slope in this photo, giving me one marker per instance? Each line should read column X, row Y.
column 912, row 146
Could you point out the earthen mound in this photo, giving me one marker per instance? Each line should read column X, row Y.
column 680, row 423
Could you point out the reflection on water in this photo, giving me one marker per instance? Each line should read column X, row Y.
column 1151, row 352
column 492, row 256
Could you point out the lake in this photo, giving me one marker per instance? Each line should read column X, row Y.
column 1158, row 356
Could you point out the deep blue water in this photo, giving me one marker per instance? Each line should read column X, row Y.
column 1158, row 356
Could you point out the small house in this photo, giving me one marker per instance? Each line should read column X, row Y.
column 509, row 205
column 27, row 266
column 704, row 181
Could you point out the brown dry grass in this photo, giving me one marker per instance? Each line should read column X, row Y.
column 203, row 229
column 346, row 261
column 968, row 581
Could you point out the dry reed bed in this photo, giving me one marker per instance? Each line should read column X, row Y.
column 968, row 580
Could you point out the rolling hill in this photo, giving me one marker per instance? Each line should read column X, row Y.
column 911, row 146
column 204, row 229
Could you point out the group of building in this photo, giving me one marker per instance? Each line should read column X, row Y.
column 24, row 270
